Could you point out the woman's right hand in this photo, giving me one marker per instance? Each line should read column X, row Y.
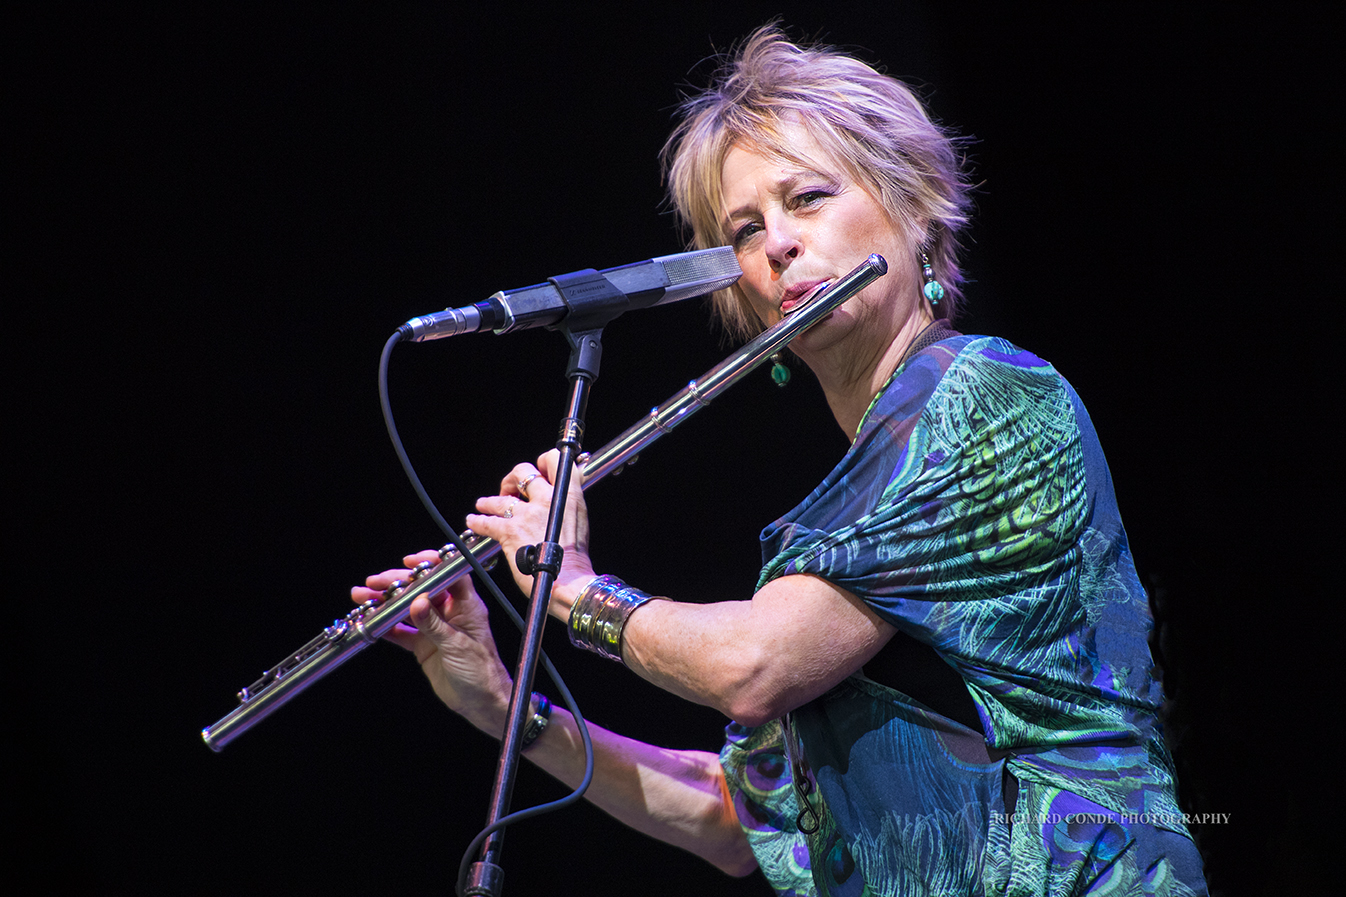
column 518, row 517
column 453, row 644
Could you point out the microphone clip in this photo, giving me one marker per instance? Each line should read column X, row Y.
column 532, row 559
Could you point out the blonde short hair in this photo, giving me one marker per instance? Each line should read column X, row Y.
column 871, row 124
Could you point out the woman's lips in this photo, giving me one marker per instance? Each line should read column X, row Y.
column 797, row 296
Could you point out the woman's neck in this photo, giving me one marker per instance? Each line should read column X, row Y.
column 851, row 383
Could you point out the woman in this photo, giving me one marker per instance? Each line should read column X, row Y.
column 973, row 514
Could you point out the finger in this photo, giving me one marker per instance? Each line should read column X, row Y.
column 360, row 594
column 432, row 629
column 376, row 585
column 421, row 632
column 505, row 506
column 381, row 581
column 549, row 463
column 429, row 555
column 521, row 472
column 403, row 636
column 537, row 490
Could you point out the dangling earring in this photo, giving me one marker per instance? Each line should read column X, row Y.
column 779, row 372
column 933, row 289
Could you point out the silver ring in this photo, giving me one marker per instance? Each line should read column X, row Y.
column 523, row 484
column 509, row 512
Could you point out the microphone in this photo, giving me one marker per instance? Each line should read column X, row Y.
column 585, row 299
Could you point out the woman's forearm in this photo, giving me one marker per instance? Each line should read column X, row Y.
column 679, row 797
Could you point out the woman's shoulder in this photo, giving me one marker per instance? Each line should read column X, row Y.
column 971, row 363
column 972, row 349
column 957, row 363
column 952, row 349
column 968, row 384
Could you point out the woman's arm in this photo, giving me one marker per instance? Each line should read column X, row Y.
column 752, row 660
column 755, row 660
column 679, row 797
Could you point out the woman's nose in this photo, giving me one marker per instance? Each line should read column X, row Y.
column 783, row 245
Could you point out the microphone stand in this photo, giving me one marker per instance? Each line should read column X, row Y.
column 584, row 330
column 543, row 561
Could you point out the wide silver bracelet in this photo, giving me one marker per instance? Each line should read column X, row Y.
column 599, row 615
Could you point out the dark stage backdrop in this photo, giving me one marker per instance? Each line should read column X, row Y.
column 225, row 209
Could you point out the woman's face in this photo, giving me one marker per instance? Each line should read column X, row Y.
column 796, row 226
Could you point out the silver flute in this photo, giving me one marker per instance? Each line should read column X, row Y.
column 364, row 625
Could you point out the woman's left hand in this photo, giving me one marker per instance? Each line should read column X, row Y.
column 453, row 645
column 518, row 517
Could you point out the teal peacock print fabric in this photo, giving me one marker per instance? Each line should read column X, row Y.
column 975, row 512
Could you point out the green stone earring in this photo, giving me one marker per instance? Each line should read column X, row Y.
column 933, row 289
column 779, row 372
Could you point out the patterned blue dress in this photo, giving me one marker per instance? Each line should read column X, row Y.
column 975, row 513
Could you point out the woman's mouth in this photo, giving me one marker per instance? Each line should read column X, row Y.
column 796, row 297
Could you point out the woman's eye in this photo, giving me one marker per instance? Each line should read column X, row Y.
column 809, row 197
column 746, row 231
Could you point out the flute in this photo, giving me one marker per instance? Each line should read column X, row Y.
column 364, row 625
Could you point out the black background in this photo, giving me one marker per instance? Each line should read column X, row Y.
column 225, row 209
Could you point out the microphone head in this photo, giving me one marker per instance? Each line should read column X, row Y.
column 697, row 273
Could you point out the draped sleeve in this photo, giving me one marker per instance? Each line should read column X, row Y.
column 974, row 512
